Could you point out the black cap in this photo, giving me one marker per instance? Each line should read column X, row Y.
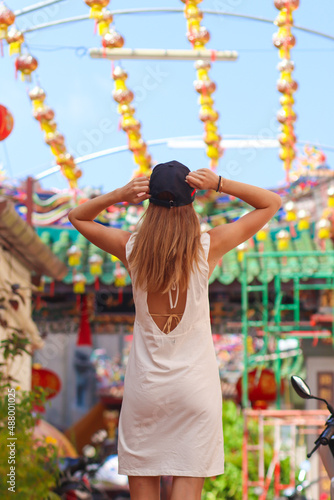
column 168, row 187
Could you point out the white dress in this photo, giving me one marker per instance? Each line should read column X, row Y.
column 171, row 417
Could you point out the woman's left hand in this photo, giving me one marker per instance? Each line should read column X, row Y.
column 136, row 190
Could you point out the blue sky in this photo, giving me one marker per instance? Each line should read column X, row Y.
column 79, row 89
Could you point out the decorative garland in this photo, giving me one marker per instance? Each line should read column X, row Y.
column 45, row 116
column 199, row 36
column 26, row 64
column 122, row 95
column 284, row 40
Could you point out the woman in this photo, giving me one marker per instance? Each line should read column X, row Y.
column 171, row 417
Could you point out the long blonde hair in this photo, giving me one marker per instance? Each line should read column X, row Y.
column 166, row 248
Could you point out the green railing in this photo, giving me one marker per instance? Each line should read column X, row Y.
column 292, row 267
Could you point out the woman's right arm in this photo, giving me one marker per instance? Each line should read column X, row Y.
column 228, row 236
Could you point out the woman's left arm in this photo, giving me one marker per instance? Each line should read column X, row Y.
column 109, row 239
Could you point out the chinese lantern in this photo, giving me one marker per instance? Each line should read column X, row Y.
column 104, row 19
column 26, row 64
column 56, row 141
column 7, row 18
column 66, row 161
column 37, row 96
column 112, row 40
column 95, row 264
column 330, row 193
column 283, row 238
column 290, row 211
column 120, row 275
column 241, row 250
column 79, row 282
column 303, row 220
column 324, row 229
column 44, row 114
column 6, row 122
column 14, row 38
column 74, row 255
column 263, row 233
column 261, row 388
column 96, row 7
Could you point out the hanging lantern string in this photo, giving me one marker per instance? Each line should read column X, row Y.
column 284, row 40
column 26, row 65
column 199, row 36
column 111, row 39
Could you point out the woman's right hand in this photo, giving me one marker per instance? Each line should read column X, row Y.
column 203, row 178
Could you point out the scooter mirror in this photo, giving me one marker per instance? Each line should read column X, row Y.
column 301, row 387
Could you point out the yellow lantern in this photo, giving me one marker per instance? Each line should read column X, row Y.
column 113, row 258
column 241, row 250
column 324, row 229
column 283, row 238
column 303, row 220
column 15, row 38
column 74, row 254
column 120, row 275
column 96, row 7
column 290, row 211
column 7, row 18
column 330, row 193
column 95, row 264
column 37, row 96
column 262, row 234
column 79, row 283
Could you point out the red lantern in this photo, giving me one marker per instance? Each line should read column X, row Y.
column 6, row 123
column 7, row 17
column 26, row 63
column 112, row 40
column 262, row 388
column 42, row 377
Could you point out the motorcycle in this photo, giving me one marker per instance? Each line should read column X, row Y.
column 326, row 439
column 73, row 481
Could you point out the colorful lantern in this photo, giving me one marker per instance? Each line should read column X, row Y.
column 241, row 250
column 324, row 229
column 95, row 264
column 303, row 220
column 56, row 141
column 283, row 238
column 49, row 380
column 74, row 255
column 14, row 38
column 120, row 275
column 263, row 233
column 26, row 64
column 112, row 40
column 96, row 7
column 104, row 19
column 262, row 388
column 7, row 18
column 44, row 114
column 79, row 283
column 290, row 211
column 37, row 96
column 6, row 122
column 284, row 40
column 330, row 193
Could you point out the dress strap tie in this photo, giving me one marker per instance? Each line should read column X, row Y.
column 171, row 303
